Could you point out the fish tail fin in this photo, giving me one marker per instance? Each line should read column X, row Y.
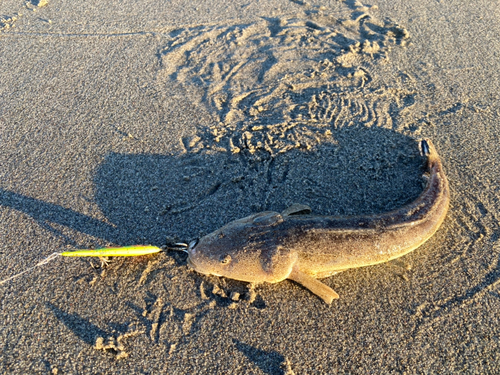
column 428, row 150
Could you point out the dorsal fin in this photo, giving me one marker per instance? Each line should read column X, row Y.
column 297, row 209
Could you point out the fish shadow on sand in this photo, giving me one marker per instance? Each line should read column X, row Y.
column 147, row 197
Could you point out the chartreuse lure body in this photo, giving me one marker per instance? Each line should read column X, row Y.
column 125, row 251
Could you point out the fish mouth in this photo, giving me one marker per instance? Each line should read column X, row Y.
column 193, row 266
column 191, row 251
column 191, row 263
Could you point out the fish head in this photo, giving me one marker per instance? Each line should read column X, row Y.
column 247, row 249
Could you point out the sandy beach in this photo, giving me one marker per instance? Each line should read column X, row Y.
column 146, row 122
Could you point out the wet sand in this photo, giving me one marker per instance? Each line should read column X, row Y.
column 142, row 122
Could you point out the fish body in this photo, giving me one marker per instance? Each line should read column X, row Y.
column 271, row 246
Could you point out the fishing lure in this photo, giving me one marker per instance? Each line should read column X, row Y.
column 125, row 251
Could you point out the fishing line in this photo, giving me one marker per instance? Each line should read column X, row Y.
column 125, row 251
column 41, row 263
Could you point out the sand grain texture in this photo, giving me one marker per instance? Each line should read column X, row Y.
column 130, row 122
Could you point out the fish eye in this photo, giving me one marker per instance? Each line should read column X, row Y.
column 225, row 259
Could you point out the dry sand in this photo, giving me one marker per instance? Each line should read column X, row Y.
column 137, row 121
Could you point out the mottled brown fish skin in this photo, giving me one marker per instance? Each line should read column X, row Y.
column 271, row 247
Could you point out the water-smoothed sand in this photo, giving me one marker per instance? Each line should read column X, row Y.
column 147, row 122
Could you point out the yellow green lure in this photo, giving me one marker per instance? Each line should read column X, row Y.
column 125, row 251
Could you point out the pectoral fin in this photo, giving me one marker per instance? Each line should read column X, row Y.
column 323, row 291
